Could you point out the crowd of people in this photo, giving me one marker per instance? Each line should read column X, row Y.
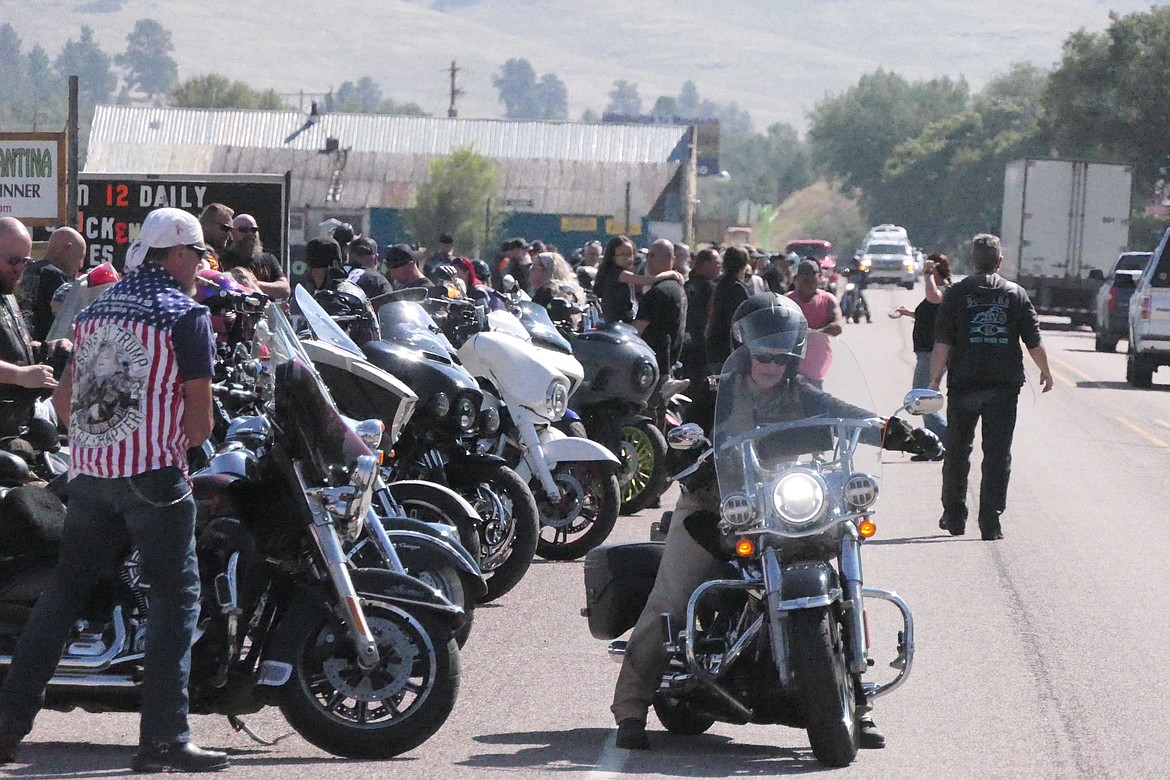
column 133, row 470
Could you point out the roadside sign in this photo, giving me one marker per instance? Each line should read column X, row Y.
column 32, row 177
column 111, row 206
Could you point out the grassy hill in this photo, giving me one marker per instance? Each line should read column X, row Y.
column 773, row 59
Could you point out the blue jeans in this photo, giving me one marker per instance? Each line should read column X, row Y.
column 156, row 512
column 935, row 423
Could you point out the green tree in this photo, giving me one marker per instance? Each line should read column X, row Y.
column 13, row 79
column 665, row 107
column 946, row 184
column 364, row 97
column 218, row 91
column 688, row 100
column 552, row 98
column 40, row 78
column 147, row 60
column 589, row 116
column 765, row 168
column 853, row 134
column 93, row 67
column 624, row 99
column 1109, row 98
column 516, row 83
column 454, row 199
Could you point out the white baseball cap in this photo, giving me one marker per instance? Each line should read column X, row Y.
column 164, row 228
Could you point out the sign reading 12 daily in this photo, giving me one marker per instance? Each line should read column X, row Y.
column 32, row 177
column 111, row 208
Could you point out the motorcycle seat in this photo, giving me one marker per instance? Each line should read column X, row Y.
column 31, row 522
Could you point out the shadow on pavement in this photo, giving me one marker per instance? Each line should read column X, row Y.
column 933, row 539
column 591, row 749
column 1114, row 385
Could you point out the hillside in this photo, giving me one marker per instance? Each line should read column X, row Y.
column 773, row 59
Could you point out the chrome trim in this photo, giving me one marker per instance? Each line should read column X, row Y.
column 851, row 579
column 93, row 681
column 274, row 673
column 97, row 662
column 617, row 650
column 906, row 658
column 810, row 602
column 772, row 587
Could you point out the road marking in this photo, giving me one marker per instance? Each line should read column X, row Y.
column 1163, row 423
column 1066, row 367
column 1140, row 431
column 611, row 762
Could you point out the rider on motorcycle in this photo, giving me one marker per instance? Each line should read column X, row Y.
column 768, row 389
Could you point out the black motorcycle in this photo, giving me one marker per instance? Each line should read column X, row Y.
column 621, row 373
column 438, row 443
column 854, row 306
column 361, row 662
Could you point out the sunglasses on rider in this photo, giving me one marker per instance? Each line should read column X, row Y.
column 769, row 357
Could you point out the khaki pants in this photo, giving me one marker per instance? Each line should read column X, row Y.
column 685, row 566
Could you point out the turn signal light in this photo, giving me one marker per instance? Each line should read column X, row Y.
column 867, row 528
column 745, row 548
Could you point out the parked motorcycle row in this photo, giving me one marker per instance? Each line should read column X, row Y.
column 384, row 466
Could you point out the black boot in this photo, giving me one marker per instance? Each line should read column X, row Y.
column 631, row 734
column 183, row 756
column 871, row 738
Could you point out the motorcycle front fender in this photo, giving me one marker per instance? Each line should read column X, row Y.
column 807, row 585
column 469, row 469
column 418, row 550
column 559, row 448
column 405, row 488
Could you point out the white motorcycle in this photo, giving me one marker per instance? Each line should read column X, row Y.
column 574, row 480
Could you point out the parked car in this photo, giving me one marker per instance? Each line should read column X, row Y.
column 1112, row 308
column 1149, row 319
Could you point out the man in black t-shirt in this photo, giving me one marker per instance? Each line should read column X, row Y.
column 662, row 314
column 63, row 261
column 979, row 327
column 363, row 268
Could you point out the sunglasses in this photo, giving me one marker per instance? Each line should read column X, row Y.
column 769, row 357
column 15, row 261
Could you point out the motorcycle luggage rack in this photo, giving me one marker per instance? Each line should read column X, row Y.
column 905, row 658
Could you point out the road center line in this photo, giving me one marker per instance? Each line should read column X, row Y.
column 1140, row 431
column 1066, row 367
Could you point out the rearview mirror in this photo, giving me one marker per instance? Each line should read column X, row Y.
column 923, row 401
column 685, row 437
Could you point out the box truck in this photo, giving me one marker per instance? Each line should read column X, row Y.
column 1064, row 224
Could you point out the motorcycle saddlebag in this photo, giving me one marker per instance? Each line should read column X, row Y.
column 618, row 580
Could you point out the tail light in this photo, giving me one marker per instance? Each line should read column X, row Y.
column 1145, row 304
column 1112, row 305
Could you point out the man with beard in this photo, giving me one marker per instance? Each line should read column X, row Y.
column 662, row 314
column 248, row 251
column 23, row 376
column 139, row 395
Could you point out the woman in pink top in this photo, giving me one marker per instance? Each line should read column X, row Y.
column 823, row 314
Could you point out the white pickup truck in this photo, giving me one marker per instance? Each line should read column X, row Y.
column 1149, row 319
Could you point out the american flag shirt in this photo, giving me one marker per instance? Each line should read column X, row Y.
column 133, row 348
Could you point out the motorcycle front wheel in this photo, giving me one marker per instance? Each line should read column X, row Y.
column 642, row 475
column 584, row 516
column 378, row 713
column 827, row 691
column 436, row 506
column 508, row 531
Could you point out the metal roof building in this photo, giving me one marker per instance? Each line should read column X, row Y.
column 350, row 163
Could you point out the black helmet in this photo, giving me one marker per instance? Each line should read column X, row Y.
column 772, row 322
column 482, row 272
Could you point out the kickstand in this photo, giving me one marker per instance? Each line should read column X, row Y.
column 239, row 725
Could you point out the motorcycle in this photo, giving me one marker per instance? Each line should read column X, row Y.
column 361, row 662
column 854, row 306
column 572, row 478
column 435, row 458
column 621, row 373
column 783, row 637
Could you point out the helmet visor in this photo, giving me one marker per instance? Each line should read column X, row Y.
column 773, row 333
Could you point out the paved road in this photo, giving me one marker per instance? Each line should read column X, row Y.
column 1038, row 656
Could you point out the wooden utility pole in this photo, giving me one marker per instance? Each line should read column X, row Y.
column 73, row 156
column 455, row 92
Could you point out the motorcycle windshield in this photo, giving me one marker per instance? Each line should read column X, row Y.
column 322, row 325
column 776, row 415
column 540, row 326
column 305, row 411
column 409, row 324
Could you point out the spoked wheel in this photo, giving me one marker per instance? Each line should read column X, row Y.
column 584, row 516
column 508, row 531
column 433, row 506
column 642, row 475
column 378, row 713
column 826, row 688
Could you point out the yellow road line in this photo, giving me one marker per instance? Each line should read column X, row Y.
column 1140, row 431
column 1163, row 423
column 1066, row 367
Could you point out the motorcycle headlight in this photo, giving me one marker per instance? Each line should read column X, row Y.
column 866, row 262
column 557, row 399
column 799, row 497
column 644, row 374
column 465, row 412
column 370, row 432
column 489, row 421
column 440, row 404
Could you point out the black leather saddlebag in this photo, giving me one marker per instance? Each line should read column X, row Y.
column 618, row 580
column 31, row 522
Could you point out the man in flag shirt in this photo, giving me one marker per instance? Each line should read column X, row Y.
column 138, row 395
